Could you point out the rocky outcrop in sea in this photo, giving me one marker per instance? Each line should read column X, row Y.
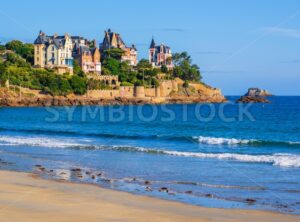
column 255, row 95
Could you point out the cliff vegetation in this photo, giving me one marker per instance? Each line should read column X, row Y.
column 16, row 60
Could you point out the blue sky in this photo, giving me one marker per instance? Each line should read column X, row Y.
column 237, row 44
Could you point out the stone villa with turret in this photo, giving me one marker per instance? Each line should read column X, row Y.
column 87, row 55
column 54, row 52
column 113, row 40
column 160, row 55
column 59, row 52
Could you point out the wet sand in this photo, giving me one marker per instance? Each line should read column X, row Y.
column 25, row 197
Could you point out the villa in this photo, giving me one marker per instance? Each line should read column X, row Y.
column 59, row 52
column 160, row 55
column 113, row 40
column 87, row 55
column 54, row 52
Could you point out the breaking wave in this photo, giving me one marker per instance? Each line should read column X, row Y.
column 222, row 141
column 37, row 141
column 206, row 140
column 234, row 141
column 278, row 159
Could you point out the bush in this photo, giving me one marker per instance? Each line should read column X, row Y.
column 127, row 84
column 184, row 69
column 77, row 69
column 97, row 84
column 164, row 69
column 154, row 82
column 138, row 83
column 78, row 84
column 26, row 50
column 186, row 84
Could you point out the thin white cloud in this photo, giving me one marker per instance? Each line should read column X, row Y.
column 292, row 33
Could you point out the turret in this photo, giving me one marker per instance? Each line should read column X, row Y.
column 152, row 45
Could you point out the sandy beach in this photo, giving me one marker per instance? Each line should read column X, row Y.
column 25, row 197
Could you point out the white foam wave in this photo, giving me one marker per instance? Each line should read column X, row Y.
column 37, row 141
column 222, row 141
column 294, row 143
column 283, row 160
column 279, row 159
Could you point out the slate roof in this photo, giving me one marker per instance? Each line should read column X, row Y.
column 165, row 48
column 41, row 39
column 152, row 45
column 109, row 37
column 157, row 47
column 58, row 41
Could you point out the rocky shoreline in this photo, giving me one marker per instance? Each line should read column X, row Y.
column 67, row 101
column 252, row 99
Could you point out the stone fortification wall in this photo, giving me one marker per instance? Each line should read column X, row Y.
column 106, row 94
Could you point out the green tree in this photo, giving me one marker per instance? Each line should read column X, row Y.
column 2, row 47
column 164, row 69
column 138, row 83
column 186, row 84
column 25, row 50
column 184, row 69
column 78, row 84
column 114, row 53
column 64, row 87
column 154, row 82
column 113, row 65
column 77, row 69
column 14, row 59
column 105, row 71
column 144, row 64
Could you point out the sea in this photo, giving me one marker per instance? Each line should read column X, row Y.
column 243, row 156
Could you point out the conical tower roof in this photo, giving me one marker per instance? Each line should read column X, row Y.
column 152, row 45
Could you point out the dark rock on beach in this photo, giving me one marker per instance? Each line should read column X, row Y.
column 76, row 170
column 209, row 195
column 164, row 189
column 148, row 189
column 248, row 200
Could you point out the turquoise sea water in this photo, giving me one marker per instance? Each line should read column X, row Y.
column 225, row 156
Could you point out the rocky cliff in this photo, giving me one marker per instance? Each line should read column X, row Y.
column 197, row 93
column 255, row 92
column 255, row 95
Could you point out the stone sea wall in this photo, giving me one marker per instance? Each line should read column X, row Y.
column 169, row 91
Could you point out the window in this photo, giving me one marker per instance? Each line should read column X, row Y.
column 52, row 55
column 53, row 48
